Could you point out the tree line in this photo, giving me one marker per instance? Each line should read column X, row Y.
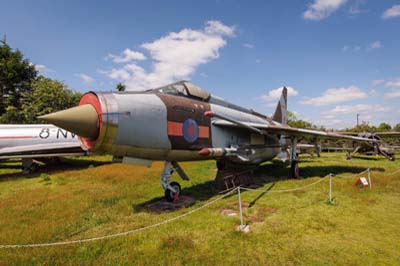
column 24, row 94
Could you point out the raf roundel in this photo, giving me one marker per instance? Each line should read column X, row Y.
column 190, row 130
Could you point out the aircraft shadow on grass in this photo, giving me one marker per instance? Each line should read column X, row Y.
column 50, row 168
column 366, row 157
column 265, row 174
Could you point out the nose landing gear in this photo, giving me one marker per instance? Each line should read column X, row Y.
column 173, row 196
column 172, row 191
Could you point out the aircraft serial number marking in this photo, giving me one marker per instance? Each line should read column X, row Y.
column 45, row 133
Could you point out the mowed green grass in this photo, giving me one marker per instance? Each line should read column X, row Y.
column 92, row 197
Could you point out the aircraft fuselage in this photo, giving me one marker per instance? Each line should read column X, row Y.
column 160, row 126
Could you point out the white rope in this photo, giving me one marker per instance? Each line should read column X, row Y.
column 286, row 190
column 351, row 176
column 385, row 174
column 79, row 241
column 392, row 173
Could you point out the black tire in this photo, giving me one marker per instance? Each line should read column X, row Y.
column 294, row 170
column 169, row 195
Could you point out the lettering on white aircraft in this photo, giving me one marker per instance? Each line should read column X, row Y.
column 64, row 133
column 45, row 133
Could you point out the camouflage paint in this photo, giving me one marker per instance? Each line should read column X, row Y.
column 187, row 127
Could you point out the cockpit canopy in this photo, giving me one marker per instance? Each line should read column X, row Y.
column 185, row 88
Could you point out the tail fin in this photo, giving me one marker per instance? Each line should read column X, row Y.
column 281, row 108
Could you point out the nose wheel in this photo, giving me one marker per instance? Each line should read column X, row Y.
column 173, row 195
column 172, row 190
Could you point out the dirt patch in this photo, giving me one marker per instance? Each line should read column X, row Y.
column 255, row 219
column 236, row 204
column 164, row 206
column 229, row 212
column 266, row 210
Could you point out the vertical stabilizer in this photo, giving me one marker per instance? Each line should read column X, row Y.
column 281, row 108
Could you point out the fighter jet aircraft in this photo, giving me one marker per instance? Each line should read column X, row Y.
column 376, row 148
column 182, row 122
column 303, row 148
column 36, row 141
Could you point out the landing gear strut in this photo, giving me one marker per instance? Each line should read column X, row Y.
column 172, row 190
column 294, row 160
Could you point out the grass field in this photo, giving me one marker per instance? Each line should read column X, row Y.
column 92, row 197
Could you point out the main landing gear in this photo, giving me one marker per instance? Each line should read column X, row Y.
column 294, row 160
column 172, row 191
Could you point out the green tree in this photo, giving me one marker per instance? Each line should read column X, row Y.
column 363, row 127
column 383, row 127
column 294, row 122
column 11, row 113
column 48, row 96
column 396, row 127
column 121, row 87
column 16, row 74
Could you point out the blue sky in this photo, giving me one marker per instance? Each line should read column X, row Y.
column 340, row 57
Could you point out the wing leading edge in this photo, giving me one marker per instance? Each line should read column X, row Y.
column 279, row 129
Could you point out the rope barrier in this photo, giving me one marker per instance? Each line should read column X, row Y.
column 79, row 241
column 286, row 190
column 355, row 175
column 395, row 172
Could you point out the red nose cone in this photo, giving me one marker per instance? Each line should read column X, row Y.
column 204, row 152
column 92, row 99
column 209, row 113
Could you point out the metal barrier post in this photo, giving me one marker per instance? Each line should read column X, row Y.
column 330, row 187
column 369, row 178
column 240, row 210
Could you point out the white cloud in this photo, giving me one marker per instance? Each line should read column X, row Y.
column 248, row 45
column 392, row 12
column 127, row 56
column 345, row 112
column 358, row 108
column 375, row 45
column 331, row 123
column 85, row 78
column 355, row 8
column 175, row 56
column 394, row 83
column 357, row 48
column 378, row 82
column 321, row 9
column 215, row 27
column 336, row 95
column 41, row 68
column 393, row 93
column 275, row 94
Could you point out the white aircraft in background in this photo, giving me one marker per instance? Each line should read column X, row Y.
column 30, row 142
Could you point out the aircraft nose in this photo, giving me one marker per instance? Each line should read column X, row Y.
column 82, row 120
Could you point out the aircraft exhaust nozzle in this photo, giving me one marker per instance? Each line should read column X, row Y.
column 82, row 120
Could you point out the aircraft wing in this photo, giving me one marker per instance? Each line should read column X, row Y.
column 388, row 134
column 266, row 129
column 42, row 150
